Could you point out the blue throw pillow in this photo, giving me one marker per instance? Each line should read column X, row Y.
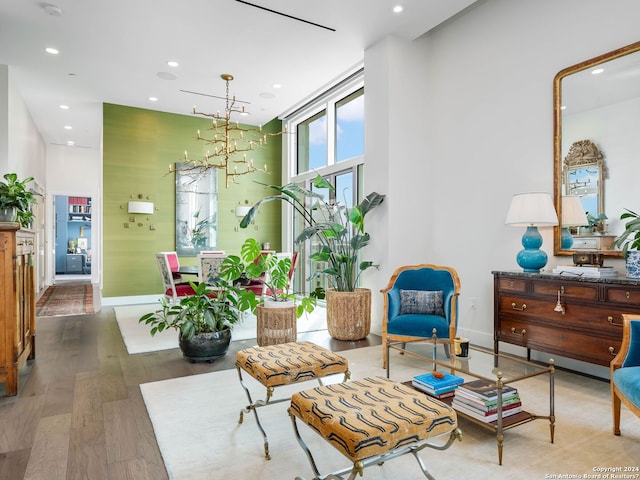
column 426, row 302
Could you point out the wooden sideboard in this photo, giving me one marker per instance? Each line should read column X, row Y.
column 574, row 317
column 17, row 302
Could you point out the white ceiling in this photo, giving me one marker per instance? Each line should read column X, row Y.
column 116, row 51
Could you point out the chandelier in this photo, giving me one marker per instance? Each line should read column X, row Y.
column 229, row 142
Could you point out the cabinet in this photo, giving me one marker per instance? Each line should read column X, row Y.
column 75, row 262
column 17, row 302
column 579, row 318
column 593, row 242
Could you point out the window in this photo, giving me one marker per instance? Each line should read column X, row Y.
column 329, row 141
column 350, row 126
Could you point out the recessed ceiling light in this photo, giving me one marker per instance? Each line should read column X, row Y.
column 68, row 127
column 51, row 50
column 597, row 71
column 171, row 63
column 153, row 99
column 64, row 107
column 398, row 9
column 52, row 10
column 166, row 76
column 277, row 85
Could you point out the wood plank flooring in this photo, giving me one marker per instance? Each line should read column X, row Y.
column 79, row 413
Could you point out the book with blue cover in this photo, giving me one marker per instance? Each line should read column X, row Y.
column 437, row 385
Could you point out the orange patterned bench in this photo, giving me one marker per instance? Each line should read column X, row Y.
column 285, row 364
column 373, row 420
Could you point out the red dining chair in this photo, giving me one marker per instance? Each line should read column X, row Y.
column 174, row 265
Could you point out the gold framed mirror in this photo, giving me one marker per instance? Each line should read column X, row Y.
column 595, row 107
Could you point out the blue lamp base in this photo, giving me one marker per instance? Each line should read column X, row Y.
column 532, row 259
column 566, row 239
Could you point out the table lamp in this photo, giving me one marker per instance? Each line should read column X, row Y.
column 572, row 216
column 531, row 210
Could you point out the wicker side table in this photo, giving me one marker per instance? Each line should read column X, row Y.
column 276, row 325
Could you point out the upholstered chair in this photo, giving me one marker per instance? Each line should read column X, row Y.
column 172, row 290
column 625, row 371
column 417, row 299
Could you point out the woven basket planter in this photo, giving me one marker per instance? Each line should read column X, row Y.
column 349, row 314
column 276, row 325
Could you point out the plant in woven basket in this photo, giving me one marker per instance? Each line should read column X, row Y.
column 272, row 271
column 338, row 230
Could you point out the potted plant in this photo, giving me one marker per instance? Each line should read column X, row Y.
column 205, row 319
column 340, row 235
column 629, row 241
column 16, row 200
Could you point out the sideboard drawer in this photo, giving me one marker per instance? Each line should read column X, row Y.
column 623, row 294
column 512, row 285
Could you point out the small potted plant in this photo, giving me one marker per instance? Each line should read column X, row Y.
column 629, row 241
column 16, row 200
column 205, row 319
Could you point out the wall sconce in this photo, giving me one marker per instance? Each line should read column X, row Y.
column 242, row 210
column 140, row 207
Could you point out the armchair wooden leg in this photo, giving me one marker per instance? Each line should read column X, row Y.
column 384, row 352
column 615, row 403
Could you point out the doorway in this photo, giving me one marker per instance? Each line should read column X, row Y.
column 73, row 242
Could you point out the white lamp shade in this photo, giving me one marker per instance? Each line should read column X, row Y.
column 242, row 210
column 529, row 209
column 140, row 207
column 573, row 214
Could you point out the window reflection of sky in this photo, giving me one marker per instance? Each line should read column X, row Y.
column 584, row 183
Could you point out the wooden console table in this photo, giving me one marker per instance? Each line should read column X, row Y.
column 574, row 317
column 17, row 302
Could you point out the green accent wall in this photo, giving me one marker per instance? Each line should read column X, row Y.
column 138, row 148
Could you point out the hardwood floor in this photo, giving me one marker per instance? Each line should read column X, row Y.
column 79, row 413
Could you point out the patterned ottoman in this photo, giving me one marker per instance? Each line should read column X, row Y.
column 284, row 364
column 373, row 420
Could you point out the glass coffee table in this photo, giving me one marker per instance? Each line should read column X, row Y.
column 482, row 363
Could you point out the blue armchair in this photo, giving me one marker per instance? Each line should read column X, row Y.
column 625, row 371
column 418, row 299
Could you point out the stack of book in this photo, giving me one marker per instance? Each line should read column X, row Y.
column 442, row 385
column 585, row 271
column 479, row 399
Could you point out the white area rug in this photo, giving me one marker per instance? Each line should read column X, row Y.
column 137, row 338
column 195, row 422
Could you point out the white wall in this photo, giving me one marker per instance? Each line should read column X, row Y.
column 468, row 123
column 74, row 171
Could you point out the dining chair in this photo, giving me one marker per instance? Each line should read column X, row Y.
column 174, row 265
column 417, row 300
column 209, row 267
column 172, row 290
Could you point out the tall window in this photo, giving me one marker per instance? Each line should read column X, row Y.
column 350, row 126
column 329, row 141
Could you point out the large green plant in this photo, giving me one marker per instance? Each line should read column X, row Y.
column 15, row 194
column 630, row 238
column 339, row 230
column 210, row 309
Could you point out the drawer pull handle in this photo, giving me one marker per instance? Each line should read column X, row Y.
column 628, row 295
column 521, row 332
column 610, row 320
column 611, row 351
column 520, row 309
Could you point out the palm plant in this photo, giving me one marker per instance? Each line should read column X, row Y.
column 339, row 230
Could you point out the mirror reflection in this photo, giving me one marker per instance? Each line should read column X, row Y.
column 596, row 114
